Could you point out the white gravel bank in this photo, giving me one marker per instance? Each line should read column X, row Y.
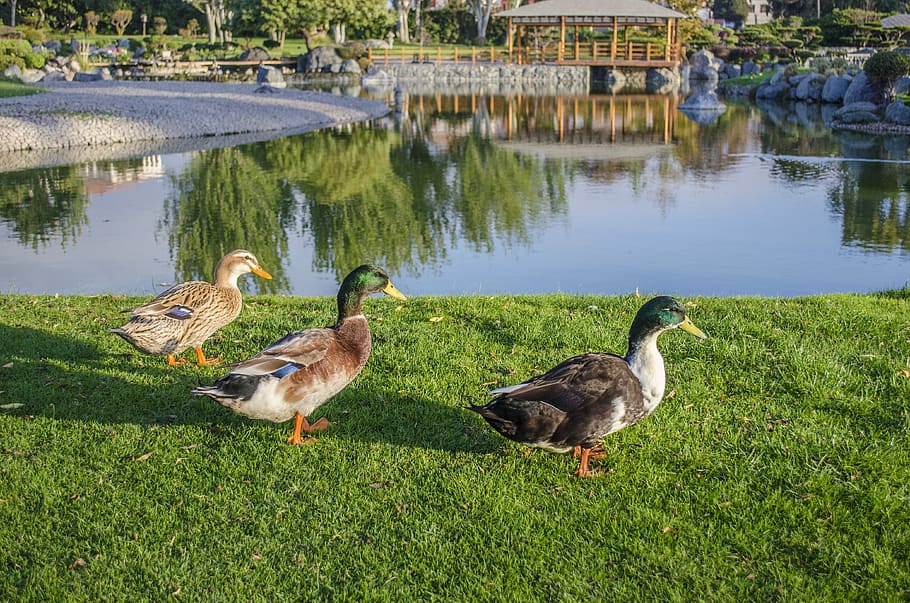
column 88, row 118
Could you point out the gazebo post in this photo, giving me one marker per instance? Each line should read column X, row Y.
column 670, row 23
column 562, row 39
column 615, row 34
column 511, row 34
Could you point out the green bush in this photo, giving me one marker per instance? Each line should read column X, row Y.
column 34, row 60
column 7, row 60
column 16, row 47
column 887, row 65
column 351, row 50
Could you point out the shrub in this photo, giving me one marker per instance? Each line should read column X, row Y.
column 351, row 50
column 159, row 25
column 271, row 44
column 16, row 47
column 34, row 60
column 8, row 59
column 886, row 67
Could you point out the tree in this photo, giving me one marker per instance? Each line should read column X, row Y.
column 217, row 15
column 481, row 9
column 120, row 18
column 12, row 13
column 886, row 67
column 736, row 11
column 403, row 7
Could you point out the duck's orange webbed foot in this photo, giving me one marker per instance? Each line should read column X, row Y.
column 171, row 361
column 201, row 360
column 301, row 424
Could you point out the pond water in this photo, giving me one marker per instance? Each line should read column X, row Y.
column 482, row 193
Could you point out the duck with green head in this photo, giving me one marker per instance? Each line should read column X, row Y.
column 574, row 405
column 298, row 373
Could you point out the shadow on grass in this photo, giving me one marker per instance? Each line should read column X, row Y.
column 68, row 379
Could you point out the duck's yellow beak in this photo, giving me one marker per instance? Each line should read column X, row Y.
column 260, row 272
column 689, row 327
column 392, row 291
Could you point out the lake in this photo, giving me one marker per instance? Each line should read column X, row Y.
column 469, row 193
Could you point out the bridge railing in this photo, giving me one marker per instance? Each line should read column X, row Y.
column 593, row 53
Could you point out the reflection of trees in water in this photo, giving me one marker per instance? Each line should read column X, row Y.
column 227, row 199
column 874, row 202
column 44, row 204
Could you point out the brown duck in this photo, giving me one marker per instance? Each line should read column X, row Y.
column 571, row 407
column 187, row 314
column 298, row 373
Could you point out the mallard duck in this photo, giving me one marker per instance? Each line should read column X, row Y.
column 571, row 407
column 187, row 314
column 298, row 373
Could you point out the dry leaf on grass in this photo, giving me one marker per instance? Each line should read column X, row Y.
column 145, row 456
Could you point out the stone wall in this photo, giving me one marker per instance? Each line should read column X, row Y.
column 497, row 77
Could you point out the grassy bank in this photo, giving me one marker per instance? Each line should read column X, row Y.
column 778, row 469
column 15, row 88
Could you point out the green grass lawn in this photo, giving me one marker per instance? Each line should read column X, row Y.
column 778, row 469
column 16, row 88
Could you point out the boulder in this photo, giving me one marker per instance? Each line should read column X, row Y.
column 351, row 66
column 777, row 91
column 53, row 76
column 54, row 46
column 732, row 70
column 703, row 100
column 255, row 54
column 810, row 87
column 376, row 44
column 270, row 76
column 92, row 76
column 661, row 81
column 902, row 86
column 863, row 89
column 857, row 113
column 750, row 68
column 898, row 113
column 320, row 58
column 703, row 66
column 13, row 72
column 835, row 87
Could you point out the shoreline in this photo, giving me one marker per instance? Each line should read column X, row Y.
column 104, row 120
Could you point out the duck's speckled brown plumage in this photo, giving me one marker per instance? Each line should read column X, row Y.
column 298, row 373
column 574, row 405
column 186, row 315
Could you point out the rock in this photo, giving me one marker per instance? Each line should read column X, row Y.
column 351, row 66
column 320, row 58
column 732, row 70
column 863, row 89
column 377, row 81
column 54, row 46
column 898, row 113
column 902, row 86
column 834, row 89
column 13, row 72
column 661, row 81
column 810, row 87
column 53, row 76
column 704, row 67
column 750, row 68
column 91, row 76
column 255, row 54
column 703, row 100
column 857, row 113
column 270, row 76
column 376, row 44
column 776, row 91
column 73, row 66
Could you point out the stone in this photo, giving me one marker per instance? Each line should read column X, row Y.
column 53, row 76
column 834, row 89
column 351, row 66
column 810, row 87
column 255, row 54
column 898, row 113
column 732, row 70
column 902, row 85
column 376, row 44
column 750, row 68
column 267, row 75
column 54, row 46
column 319, row 59
column 776, row 91
column 91, row 76
column 703, row 100
column 863, row 89
column 857, row 113
column 661, row 81
column 13, row 72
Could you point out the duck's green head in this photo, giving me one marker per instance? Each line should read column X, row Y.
column 361, row 282
column 660, row 314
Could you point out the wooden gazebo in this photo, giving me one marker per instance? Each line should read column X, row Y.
column 621, row 17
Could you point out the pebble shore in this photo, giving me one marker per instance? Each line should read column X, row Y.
column 97, row 119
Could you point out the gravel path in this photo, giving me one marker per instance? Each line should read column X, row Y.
column 112, row 118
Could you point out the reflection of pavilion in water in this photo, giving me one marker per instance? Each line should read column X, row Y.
column 582, row 127
column 100, row 177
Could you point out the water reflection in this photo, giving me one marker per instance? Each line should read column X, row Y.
column 514, row 185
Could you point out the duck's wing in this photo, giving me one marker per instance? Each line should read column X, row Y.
column 297, row 349
column 574, row 383
column 180, row 302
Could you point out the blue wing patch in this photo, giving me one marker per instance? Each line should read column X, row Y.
column 286, row 370
column 180, row 312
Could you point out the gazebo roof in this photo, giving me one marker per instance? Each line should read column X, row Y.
column 592, row 8
column 896, row 21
